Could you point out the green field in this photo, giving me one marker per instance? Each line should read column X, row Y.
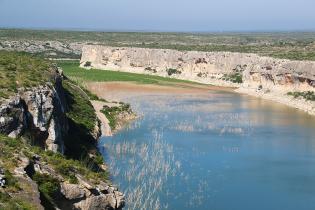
column 73, row 71
column 290, row 45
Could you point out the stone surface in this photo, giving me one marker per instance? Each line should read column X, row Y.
column 39, row 112
column 72, row 191
column 51, row 48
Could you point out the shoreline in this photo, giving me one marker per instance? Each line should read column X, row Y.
column 274, row 96
column 282, row 98
column 105, row 127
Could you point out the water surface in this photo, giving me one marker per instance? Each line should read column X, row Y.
column 213, row 150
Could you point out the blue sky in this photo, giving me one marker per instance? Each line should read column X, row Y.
column 160, row 15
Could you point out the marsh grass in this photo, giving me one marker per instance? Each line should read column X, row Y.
column 150, row 166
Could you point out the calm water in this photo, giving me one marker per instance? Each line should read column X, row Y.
column 214, row 150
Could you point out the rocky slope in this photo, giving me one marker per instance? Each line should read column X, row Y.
column 261, row 76
column 51, row 49
column 40, row 112
column 49, row 158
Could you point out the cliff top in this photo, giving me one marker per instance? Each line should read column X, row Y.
column 22, row 70
column 288, row 45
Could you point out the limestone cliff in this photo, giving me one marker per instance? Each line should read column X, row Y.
column 38, row 112
column 259, row 76
column 49, row 116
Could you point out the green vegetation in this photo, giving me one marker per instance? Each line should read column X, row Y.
column 290, row 45
column 150, row 69
column 73, row 71
column 80, row 109
column 111, row 113
column 80, row 141
column 87, row 64
column 172, row 71
column 9, row 203
column 21, row 70
column 81, row 156
column 235, row 78
column 64, row 166
column 307, row 95
column 49, row 188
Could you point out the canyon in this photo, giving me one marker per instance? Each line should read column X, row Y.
column 266, row 77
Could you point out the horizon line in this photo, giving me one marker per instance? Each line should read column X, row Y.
column 74, row 29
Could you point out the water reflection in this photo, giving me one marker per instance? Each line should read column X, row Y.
column 213, row 150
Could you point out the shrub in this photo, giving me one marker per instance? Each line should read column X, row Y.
column 150, row 69
column 235, row 77
column 112, row 112
column 173, row 71
column 48, row 186
column 307, row 95
column 87, row 64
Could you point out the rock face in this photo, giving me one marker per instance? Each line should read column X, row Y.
column 204, row 67
column 263, row 77
column 38, row 112
column 49, row 48
column 83, row 195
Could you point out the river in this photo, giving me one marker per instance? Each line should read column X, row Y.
column 212, row 149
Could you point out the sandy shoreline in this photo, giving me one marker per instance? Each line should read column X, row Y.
column 118, row 91
column 105, row 128
column 282, row 98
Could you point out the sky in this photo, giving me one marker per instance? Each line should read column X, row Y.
column 160, row 15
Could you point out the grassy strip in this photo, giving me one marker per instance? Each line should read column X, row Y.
column 72, row 70
column 307, row 95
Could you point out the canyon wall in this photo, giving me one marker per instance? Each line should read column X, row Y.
column 264, row 77
column 38, row 112
column 206, row 67
column 38, row 115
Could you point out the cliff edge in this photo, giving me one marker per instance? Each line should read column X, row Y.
column 255, row 75
column 48, row 139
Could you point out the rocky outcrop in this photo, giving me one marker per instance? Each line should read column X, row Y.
column 84, row 195
column 264, row 77
column 55, row 49
column 204, row 67
column 38, row 112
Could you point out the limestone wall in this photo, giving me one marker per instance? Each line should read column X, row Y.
column 205, row 67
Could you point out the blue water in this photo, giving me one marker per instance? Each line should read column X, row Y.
column 214, row 150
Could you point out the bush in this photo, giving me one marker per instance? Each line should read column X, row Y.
column 307, row 95
column 235, row 78
column 48, row 186
column 173, row 71
column 87, row 64
column 112, row 112
column 150, row 69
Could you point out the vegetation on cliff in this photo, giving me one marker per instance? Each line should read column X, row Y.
column 235, row 77
column 307, row 95
column 81, row 156
column 113, row 112
column 22, row 70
